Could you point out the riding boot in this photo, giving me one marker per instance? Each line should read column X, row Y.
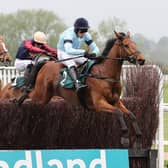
column 27, row 76
column 29, row 83
column 31, row 78
column 73, row 75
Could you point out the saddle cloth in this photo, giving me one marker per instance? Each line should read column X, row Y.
column 18, row 81
column 82, row 73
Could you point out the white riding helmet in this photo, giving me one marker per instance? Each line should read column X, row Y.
column 39, row 37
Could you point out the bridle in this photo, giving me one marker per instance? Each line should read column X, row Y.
column 131, row 56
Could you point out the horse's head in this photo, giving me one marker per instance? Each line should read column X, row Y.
column 4, row 54
column 128, row 48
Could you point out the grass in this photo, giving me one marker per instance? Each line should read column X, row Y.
column 166, row 148
column 166, row 164
column 165, row 93
column 166, row 130
column 166, row 126
column 165, row 98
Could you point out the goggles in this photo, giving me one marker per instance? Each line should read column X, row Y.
column 83, row 30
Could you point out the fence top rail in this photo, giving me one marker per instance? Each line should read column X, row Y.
column 9, row 67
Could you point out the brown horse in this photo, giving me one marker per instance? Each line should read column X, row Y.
column 104, row 86
column 9, row 93
column 1, row 85
column 5, row 57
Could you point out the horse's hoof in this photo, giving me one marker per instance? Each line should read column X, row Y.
column 125, row 142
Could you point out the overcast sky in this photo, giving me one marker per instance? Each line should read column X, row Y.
column 148, row 17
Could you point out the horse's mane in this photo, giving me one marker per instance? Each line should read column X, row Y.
column 110, row 43
column 108, row 46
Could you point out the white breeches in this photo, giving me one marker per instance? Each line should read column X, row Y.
column 72, row 62
column 21, row 65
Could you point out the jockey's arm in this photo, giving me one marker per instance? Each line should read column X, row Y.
column 33, row 49
column 49, row 49
column 72, row 51
column 94, row 48
column 91, row 44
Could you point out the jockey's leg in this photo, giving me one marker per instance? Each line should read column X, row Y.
column 73, row 74
column 31, row 77
column 71, row 64
column 27, row 73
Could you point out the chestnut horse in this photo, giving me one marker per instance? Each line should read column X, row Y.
column 5, row 58
column 104, row 85
column 8, row 92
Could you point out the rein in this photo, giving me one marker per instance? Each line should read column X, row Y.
column 66, row 59
column 103, row 78
column 131, row 56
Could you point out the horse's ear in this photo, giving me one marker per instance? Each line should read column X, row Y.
column 128, row 34
column 117, row 35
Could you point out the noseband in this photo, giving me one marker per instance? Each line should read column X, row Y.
column 131, row 56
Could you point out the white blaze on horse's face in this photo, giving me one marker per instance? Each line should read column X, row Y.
column 4, row 47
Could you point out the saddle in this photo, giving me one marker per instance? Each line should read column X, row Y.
column 82, row 72
column 29, row 76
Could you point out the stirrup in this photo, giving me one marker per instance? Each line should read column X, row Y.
column 80, row 87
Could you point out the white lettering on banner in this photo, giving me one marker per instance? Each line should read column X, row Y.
column 39, row 159
column 27, row 162
column 101, row 161
column 3, row 164
column 70, row 163
column 56, row 163
column 79, row 162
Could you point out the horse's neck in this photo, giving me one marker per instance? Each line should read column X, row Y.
column 112, row 66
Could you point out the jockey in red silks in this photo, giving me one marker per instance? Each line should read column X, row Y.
column 25, row 56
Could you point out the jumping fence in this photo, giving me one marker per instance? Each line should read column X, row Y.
column 7, row 73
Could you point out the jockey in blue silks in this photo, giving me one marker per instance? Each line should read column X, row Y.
column 69, row 46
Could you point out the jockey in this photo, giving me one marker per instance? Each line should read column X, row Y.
column 69, row 46
column 27, row 51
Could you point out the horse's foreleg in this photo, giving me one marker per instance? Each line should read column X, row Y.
column 131, row 116
column 103, row 106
